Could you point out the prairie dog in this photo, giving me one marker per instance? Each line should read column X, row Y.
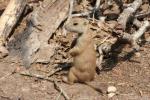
column 83, row 53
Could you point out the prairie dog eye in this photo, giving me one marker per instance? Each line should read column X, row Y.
column 75, row 24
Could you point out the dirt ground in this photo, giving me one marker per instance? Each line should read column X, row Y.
column 130, row 75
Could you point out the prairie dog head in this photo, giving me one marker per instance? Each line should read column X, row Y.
column 78, row 25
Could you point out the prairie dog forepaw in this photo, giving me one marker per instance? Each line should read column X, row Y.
column 65, row 80
column 72, row 53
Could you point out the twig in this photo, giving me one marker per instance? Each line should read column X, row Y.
column 138, row 34
column 126, row 14
column 103, row 47
column 100, row 59
column 59, row 68
column 95, row 12
column 27, row 73
column 96, row 8
column 70, row 9
column 54, row 72
column 141, row 30
column 135, row 36
column 61, row 90
column 81, row 14
column 142, row 15
column 137, row 23
column 59, row 96
column 5, row 97
column 97, row 5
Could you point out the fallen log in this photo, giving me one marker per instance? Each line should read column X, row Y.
column 8, row 20
column 41, row 24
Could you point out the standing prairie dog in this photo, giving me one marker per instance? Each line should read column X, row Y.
column 83, row 53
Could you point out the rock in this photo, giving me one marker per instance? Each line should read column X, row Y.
column 137, row 54
column 110, row 95
column 111, row 89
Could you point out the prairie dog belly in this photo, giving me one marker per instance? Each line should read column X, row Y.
column 85, row 59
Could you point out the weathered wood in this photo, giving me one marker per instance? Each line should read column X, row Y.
column 43, row 22
column 126, row 14
column 10, row 16
column 141, row 30
column 8, row 20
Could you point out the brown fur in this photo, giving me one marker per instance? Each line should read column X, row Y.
column 84, row 64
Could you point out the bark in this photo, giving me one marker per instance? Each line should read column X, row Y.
column 43, row 22
column 8, row 21
column 10, row 17
column 126, row 14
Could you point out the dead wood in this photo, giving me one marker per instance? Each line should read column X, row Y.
column 29, row 74
column 8, row 21
column 61, row 90
column 141, row 30
column 126, row 14
column 139, row 33
column 10, row 17
column 42, row 23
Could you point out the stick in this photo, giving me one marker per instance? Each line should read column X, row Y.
column 126, row 14
column 11, row 16
column 81, row 14
column 70, row 9
column 141, row 30
column 8, row 21
column 97, row 5
column 27, row 73
column 135, row 36
column 61, row 90
column 100, row 59
column 54, row 72
column 137, row 23
column 143, row 15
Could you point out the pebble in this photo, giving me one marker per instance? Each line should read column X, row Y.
column 111, row 90
column 110, row 95
column 137, row 54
